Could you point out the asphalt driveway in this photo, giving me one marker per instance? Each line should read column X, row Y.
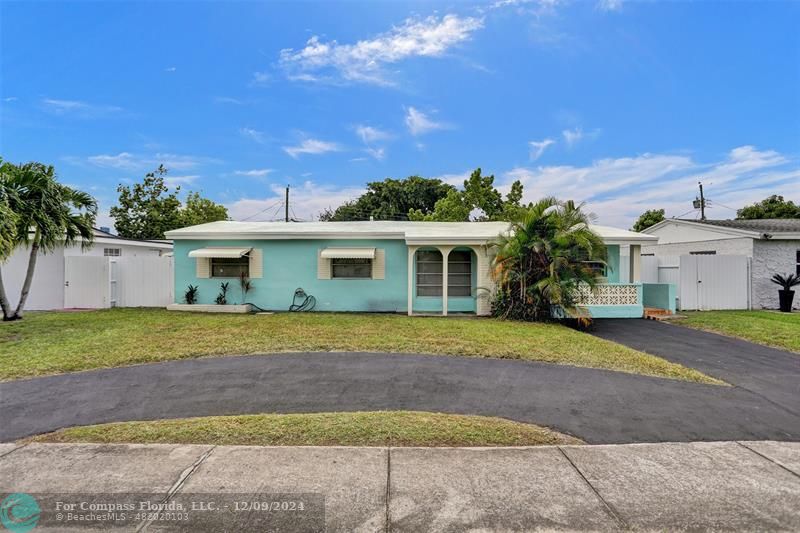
column 596, row 405
column 767, row 372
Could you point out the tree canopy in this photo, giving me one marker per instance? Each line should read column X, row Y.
column 773, row 207
column 651, row 217
column 392, row 199
column 148, row 209
column 479, row 199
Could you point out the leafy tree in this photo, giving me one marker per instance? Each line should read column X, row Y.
column 8, row 219
column 147, row 209
column 48, row 214
column 542, row 262
column 773, row 207
column 200, row 210
column 392, row 199
column 651, row 217
column 479, row 196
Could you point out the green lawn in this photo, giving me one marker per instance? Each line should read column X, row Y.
column 771, row 328
column 381, row 428
column 52, row 343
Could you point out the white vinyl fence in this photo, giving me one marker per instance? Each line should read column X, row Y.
column 704, row 282
column 101, row 282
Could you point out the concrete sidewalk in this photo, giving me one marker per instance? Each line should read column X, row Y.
column 671, row 486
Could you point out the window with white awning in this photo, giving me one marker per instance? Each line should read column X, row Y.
column 348, row 253
column 212, row 253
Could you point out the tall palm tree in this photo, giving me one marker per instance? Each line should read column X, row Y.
column 545, row 260
column 49, row 214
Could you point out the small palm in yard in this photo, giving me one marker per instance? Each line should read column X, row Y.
column 786, row 294
column 544, row 261
column 47, row 213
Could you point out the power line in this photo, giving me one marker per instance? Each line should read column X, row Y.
column 256, row 214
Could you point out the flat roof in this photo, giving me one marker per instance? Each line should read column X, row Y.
column 412, row 232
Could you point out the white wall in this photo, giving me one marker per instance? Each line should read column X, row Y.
column 127, row 250
column 47, row 288
column 738, row 246
column 673, row 232
column 772, row 257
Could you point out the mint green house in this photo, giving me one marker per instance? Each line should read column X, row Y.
column 382, row 266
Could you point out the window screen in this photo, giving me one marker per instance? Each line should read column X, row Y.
column 351, row 268
column 227, row 267
column 429, row 273
column 459, row 274
column 112, row 252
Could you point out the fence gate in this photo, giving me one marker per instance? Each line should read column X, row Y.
column 86, row 282
column 714, row 282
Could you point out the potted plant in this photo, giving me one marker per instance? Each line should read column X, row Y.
column 786, row 294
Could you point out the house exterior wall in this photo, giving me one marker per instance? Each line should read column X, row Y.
column 676, row 232
column 772, row 257
column 736, row 246
column 292, row 264
column 127, row 250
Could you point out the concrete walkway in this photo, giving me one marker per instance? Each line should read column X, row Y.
column 670, row 486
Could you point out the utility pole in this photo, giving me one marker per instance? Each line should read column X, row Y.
column 701, row 202
column 287, row 202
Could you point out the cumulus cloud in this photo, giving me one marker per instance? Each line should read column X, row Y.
column 538, row 148
column 312, row 146
column 419, row 123
column 365, row 60
column 620, row 189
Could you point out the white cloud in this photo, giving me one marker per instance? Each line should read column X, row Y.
column 253, row 134
column 307, row 201
column 419, row 123
column 260, row 79
column 78, row 108
column 254, row 173
column 311, row 146
column 174, row 181
column 538, row 148
column 620, row 189
column 10, row 99
column 369, row 135
column 377, row 153
column 129, row 161
column 609, row 5
column 364, row 61
column 170, row 69
column 228, row 100
column 573, row 136
column 455, row 179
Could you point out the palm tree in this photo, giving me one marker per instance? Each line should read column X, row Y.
column 545, row 260
column 49, row 214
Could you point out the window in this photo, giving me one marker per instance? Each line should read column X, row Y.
column 597, row 267
column 342, row 268
column 230, row 267
column 429, row 273
column 704, row 252
column 459, row 273
column 797, row 260
column 112, row 252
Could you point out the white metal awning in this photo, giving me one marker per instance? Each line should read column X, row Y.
column 348, row 253
column 220, row 252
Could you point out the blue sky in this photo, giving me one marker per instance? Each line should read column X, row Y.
column 624, row 105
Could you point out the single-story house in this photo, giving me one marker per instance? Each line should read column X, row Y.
column 773, row 246
column 380, row 266
column 51, row 277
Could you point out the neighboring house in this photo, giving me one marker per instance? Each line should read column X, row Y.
column 773, row 246
column 380, row 266
column 51, row 276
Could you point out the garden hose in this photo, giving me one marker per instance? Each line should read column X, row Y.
column 307, row 304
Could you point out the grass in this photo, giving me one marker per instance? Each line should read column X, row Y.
column 53, row 343
column 379, row 428
column 771, row 328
